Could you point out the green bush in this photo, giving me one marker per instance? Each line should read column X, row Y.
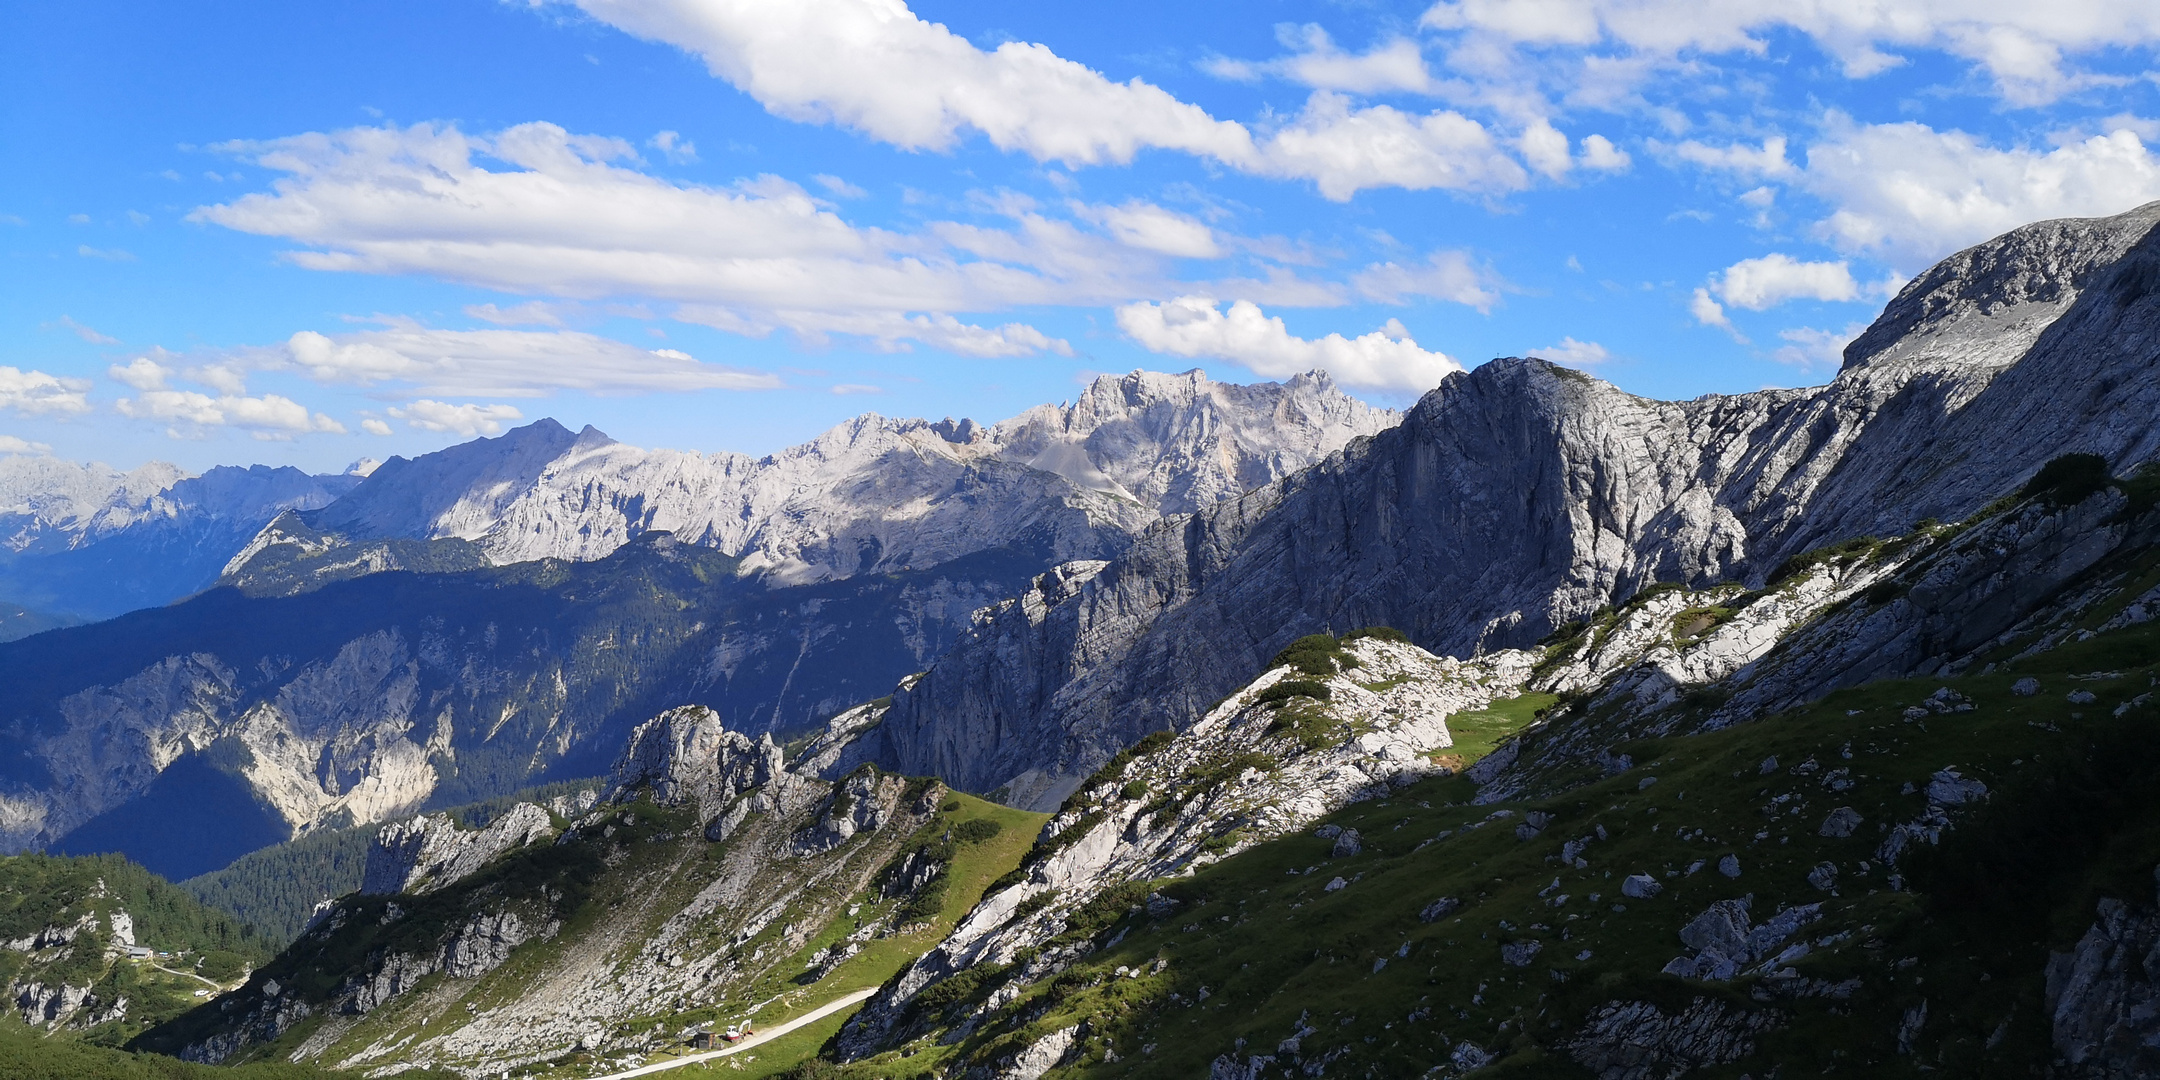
column 977, row 831
column 2068, row 480
column 1033, row 904
column 1294, row 688
column 1313, row 654
column 221, row 966
column 1384, row 633
column 1809, row 560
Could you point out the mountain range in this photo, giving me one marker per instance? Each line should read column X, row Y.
column 463, row 624
column 1544, row 730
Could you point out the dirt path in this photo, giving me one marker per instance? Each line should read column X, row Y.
column 774, row 1032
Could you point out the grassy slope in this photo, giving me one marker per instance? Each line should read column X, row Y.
column 26, row 1054
column 41, row 890
column 973, row 869
column 1270, row 944
column 666, row 873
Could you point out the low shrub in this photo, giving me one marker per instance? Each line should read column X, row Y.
column 1293, row 688
column 1313, row 654
column 2068, row 480
column 1809, row 560
column 977, row 831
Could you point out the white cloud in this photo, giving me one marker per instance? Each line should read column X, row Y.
column 268, row 416
column 1345, row 150
column 107, row 254
column 15, row 444
column 142, row 373
column 566, row 220
column 2022, row 46
column 845, row 389
column 1914, row 194
column 1574, row 353
column 36, row 393
column 839, row 188
column 876, row 67
column 1767, row 161
column 88, row 334
column 1816, row 350
column 529, row 313
column 374, row 427
column 1152, row 228
column 1446, row 275
column 466, row 420
column 1193, row 326
column 1756, row 284
column 499, row 363
column 1710, row 313
column 1394, row 65
column 1598, row 152
column 673, row 147
column 1546, row 149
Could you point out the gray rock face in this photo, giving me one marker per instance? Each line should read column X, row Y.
column 427, row 853
column 1105, row 837
column 1635, row 1040
column 2103, row 996
column 1520, row 495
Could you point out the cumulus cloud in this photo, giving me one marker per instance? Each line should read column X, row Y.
column 1756, row 284
column 1194, row 326
column 1344, row 149
column 1813, row 350
column 1598, row 152
column 270, row 416
column 142, row 373
column 1767, row 161
column 2027, row 49
column 1394, row 65
column 1153, row 228
column 877, row 68
column 1709, row 312
column 568, row 219
column 467, row 420
column 15, row 444
column 1914, row 194
column 37, row 393
column 1574, row 353
column 374, row 427
column 1446, row 275
column 673, row 147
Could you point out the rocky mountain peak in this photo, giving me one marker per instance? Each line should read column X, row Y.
column 1982, row 307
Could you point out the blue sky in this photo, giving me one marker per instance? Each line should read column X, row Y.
column 308, row 233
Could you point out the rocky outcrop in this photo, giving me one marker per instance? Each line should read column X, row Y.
column 863, row 802
column 1519, row 496
column 1635, row 1040
column 2103, row 996
column 430, row 852
column 1255, row 768
column 631, row 914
